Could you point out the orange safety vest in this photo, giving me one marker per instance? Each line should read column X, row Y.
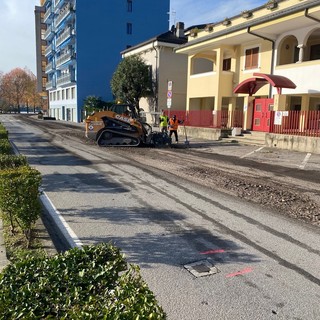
column 173, row 124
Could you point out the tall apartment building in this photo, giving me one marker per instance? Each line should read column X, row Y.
column 40, row 29
column 83, row 44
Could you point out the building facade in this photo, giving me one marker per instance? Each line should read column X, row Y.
column 270, row 52
column 83, row 44
column 40, row 29
column 168, row 70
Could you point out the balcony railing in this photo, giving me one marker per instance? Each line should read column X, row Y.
column 48, row 14
column 48, row 50
column 50, row 85
column 49, row 32
column 65, row 79
column 64, row 36
column 49, row 67
column 56, row 2
column 63, row 14
column 64, row 58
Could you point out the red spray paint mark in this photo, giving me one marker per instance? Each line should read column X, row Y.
column 238, row 273
column 212, row 251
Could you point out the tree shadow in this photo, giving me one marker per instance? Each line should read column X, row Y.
column 149, row 236
column 82, row 183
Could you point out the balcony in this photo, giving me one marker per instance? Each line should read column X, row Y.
column 64, row 58
column 64, row 13
column 203, row 84
column 57, row 2
column 50, row 85
column 49, row 67
column 64, row 36
column 49, row 33
column 65, row 79
column 48, row 16
column 49, row 50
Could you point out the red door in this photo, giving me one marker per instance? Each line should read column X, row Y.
column 261, row 114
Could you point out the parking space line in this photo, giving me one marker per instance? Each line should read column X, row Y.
column 305, row 161
column 252, row 152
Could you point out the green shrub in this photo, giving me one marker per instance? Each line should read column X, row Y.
column 3, row 134
column 12, row 161
column 19, row 197
column 5, row 146
column 89, row 283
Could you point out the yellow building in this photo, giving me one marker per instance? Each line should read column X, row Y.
column 263, row 59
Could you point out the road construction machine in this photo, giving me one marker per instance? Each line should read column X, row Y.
column 121, row 126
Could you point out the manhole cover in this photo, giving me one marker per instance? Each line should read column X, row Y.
column 201, row 268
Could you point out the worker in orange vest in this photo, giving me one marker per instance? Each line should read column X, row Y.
column 173, row 127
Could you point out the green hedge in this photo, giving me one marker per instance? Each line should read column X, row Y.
column 11, row 161
column 5, row 146
column 19, row 197
column 3, row 132
column 89, row 283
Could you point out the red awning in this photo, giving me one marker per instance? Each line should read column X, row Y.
column 252, row 85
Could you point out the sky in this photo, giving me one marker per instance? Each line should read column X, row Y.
column 17, row 30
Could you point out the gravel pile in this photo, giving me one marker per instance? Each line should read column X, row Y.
column 272, row 195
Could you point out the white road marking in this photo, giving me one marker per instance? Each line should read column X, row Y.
column 250, row 153
column 61, row 223
column 305, row 161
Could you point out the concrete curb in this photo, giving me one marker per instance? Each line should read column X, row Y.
column 65, row 233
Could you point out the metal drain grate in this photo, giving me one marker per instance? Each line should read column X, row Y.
column 201, row 268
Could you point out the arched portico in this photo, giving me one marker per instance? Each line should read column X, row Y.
column 259, row 118
column 252, row 85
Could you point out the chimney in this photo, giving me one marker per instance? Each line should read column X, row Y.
column 180, row 29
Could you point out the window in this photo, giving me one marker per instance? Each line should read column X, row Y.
column 73, row 93
column 226, row 66
column 129, row 5
column 252, row 58
column 129, row 28
column 315, row 52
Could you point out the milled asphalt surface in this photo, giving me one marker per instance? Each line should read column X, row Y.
column 181, row 252
column 286, row 158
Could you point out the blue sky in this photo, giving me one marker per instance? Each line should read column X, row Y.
column 17, row 34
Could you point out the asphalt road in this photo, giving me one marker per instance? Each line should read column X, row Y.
column 263, row 265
